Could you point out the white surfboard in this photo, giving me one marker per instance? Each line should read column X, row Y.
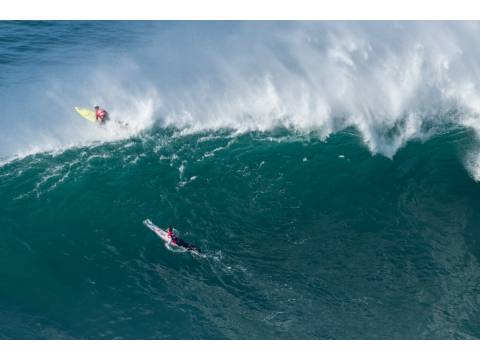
column 162, row 234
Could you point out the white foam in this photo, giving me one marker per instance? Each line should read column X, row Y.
column 473, row 165
column 386, row 79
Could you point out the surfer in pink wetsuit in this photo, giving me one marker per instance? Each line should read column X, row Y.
column 101, row 114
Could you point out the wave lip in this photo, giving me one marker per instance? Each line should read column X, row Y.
column 393, row 81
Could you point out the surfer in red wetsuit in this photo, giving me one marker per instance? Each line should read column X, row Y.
column 101, row 114
column 179, row 242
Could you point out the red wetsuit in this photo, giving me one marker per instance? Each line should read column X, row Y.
column 180, row 242
column 101, row 114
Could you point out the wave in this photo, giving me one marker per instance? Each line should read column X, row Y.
column 275, row 213
column 392, row 81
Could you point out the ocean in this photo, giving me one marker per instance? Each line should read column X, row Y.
column 329, row 171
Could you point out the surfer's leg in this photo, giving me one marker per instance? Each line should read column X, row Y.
column 193, row 247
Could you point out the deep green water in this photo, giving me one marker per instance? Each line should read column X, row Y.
column 304, row 239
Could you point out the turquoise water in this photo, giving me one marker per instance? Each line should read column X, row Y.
column 306, row 236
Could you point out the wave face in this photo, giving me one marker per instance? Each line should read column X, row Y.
column 303, row 239
column 328, row 171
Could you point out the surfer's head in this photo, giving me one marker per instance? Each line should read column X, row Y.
column 96, row 107
column 170, row 230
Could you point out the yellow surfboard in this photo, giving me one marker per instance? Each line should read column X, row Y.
column 86, row 114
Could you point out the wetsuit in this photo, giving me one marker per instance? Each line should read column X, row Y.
column 102, row 115
column 179, row 242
